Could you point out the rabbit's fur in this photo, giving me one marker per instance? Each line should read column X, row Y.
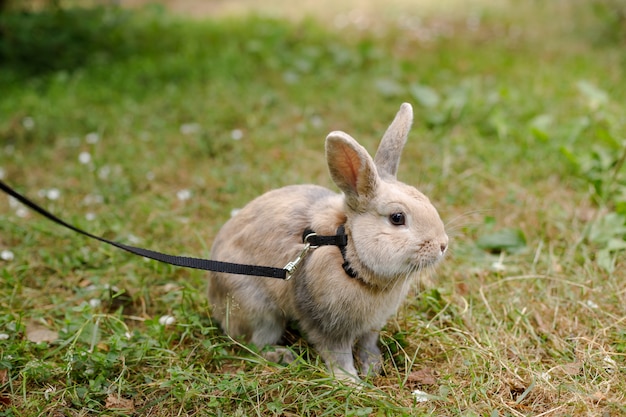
column 335, row 312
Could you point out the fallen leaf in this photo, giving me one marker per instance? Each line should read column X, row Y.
column 572, row 368
column 39, row 334
column 231, row 369
column 462, row 288
column 114, row 402
column 103, row 347
column 171, row 287
column 424, row 376
column 84, row 283
column 556, row 266
column 598, row 396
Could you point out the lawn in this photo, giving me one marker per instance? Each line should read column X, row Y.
column 150, row 129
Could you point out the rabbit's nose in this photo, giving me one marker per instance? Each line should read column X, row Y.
column 443, row 245
column 444, row 248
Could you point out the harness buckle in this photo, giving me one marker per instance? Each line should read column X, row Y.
column 293, row 266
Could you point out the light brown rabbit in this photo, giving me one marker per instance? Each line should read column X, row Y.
column 393, row 232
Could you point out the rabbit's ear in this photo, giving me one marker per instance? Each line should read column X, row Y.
column 351, row 168
column 388, row 154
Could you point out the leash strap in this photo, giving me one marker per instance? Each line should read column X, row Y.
column 309, row 237
column 186, row 262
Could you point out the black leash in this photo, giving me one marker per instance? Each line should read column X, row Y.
column 310, row 239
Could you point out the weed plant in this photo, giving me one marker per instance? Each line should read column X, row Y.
column 153, row 129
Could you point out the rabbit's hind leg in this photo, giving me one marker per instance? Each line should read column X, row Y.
column 268, row 332
column 267, row 327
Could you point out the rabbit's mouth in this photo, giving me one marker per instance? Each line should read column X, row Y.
column 421, row 262
column 429, row 262
column 432, row 252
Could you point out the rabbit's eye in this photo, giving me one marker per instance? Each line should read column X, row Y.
column 397, row 219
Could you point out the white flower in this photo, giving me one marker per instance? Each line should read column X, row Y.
column 420, row 396
column 7, row 255
column 133, row 239
column 93, row 199
column 21, row 212
column 104, row 172
column 113, row 288
column 498, row 266
column 53, row 194
column 84, row 158
column 610, row 364
column 316, row 121
column 95, row 302
column 236, row 134
column 189, row 128
column 183, row 195
column 90, row 216
column 4, row 336
column 92, row 138
column 234, row 212
column 167, row 320
column 591, row 304
column 49, row 391
column 28, row 123
column 290, row 77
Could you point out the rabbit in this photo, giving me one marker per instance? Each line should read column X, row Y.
column 393, row 233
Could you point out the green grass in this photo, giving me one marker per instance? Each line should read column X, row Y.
column 518, row 139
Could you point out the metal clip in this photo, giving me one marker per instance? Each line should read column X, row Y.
column 292, row 266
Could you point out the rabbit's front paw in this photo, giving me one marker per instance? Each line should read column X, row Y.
column 279, row 354
column 369, row 355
